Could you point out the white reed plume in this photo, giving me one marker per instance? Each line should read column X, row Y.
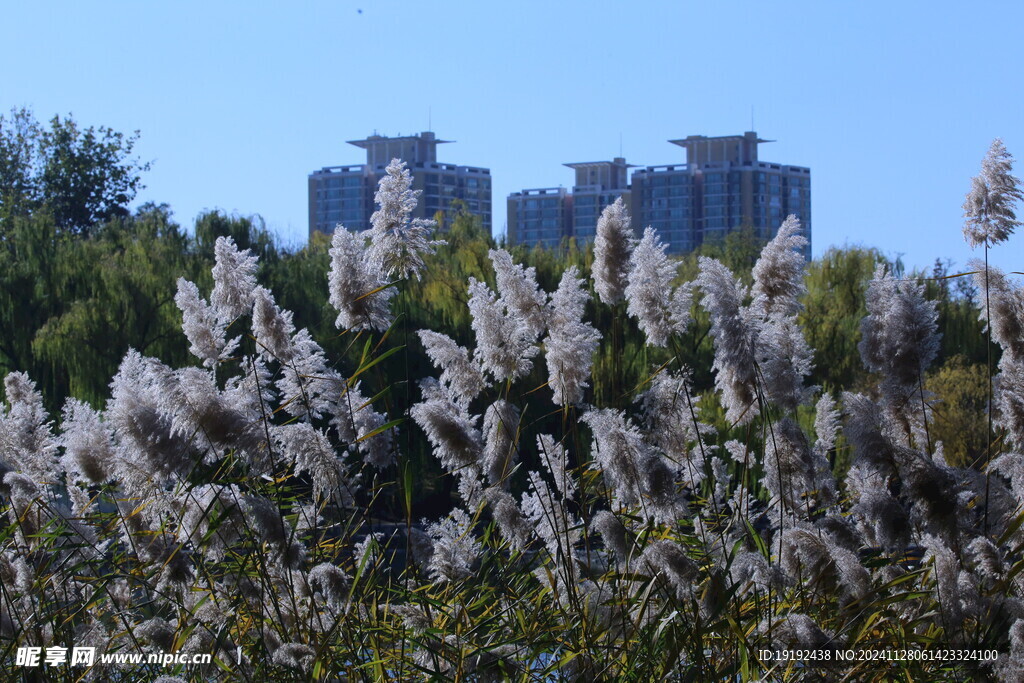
column 826, row 424
column 450, row 429
column 509, row 518
column 203, row 326
column 613, row 245
column 398, row 242
column 1006, row 309
column 310, row 450
column 880, row 518
column 779, row 271
column 668, row 561
column 329, row 583
column 734, row 330
column 555, row 459
column 557, row 527
column 816, row 559
column 899, row 337
column 212, row 519
column 649, row 290
column 501, row 435
column 272, row 327
column 251, row 391
column 519, row 291
column 783, row 355
column 137, row 410
column 795, row 630
column 570, row 344
column 27, row 443
column 306, row 383
column 504, row 341
column 785, row 359
column 615, row 535
column 634, row 472
column 750, row 570
column 461, row 374
column 455, row 549
column 295, row 656
column 234, row 279
column 670, row 411
column 989, row 217
column 269, row 526
column 359, row 291
column 201, row 413
column 359, row 425
column 1005, row 316
column 796, row 479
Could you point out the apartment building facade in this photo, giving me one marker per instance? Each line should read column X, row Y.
column 546, row 216
column 722, row 186
column 344, row 194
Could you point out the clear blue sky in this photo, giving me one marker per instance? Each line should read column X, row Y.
column 891, row 104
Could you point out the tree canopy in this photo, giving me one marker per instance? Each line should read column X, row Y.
column 79, row 176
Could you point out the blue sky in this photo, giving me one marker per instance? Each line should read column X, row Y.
column 891, row 104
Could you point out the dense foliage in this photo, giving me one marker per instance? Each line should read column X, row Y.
column 385, row 457
column 78, row 177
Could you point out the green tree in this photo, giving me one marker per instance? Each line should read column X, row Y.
column 19, row 137
column 248, row 232
column 960, row 397
column 29, row 294
column 738, row 249
column 833, row 309
column 116, row 291
column 963, row 332
column 81, row 177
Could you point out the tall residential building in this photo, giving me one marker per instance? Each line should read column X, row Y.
column 542, row 216
column 344, row 194
column 598, row 184
column 547, row 215
column 729, row 188
column 666, row 198
column 722, row 186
